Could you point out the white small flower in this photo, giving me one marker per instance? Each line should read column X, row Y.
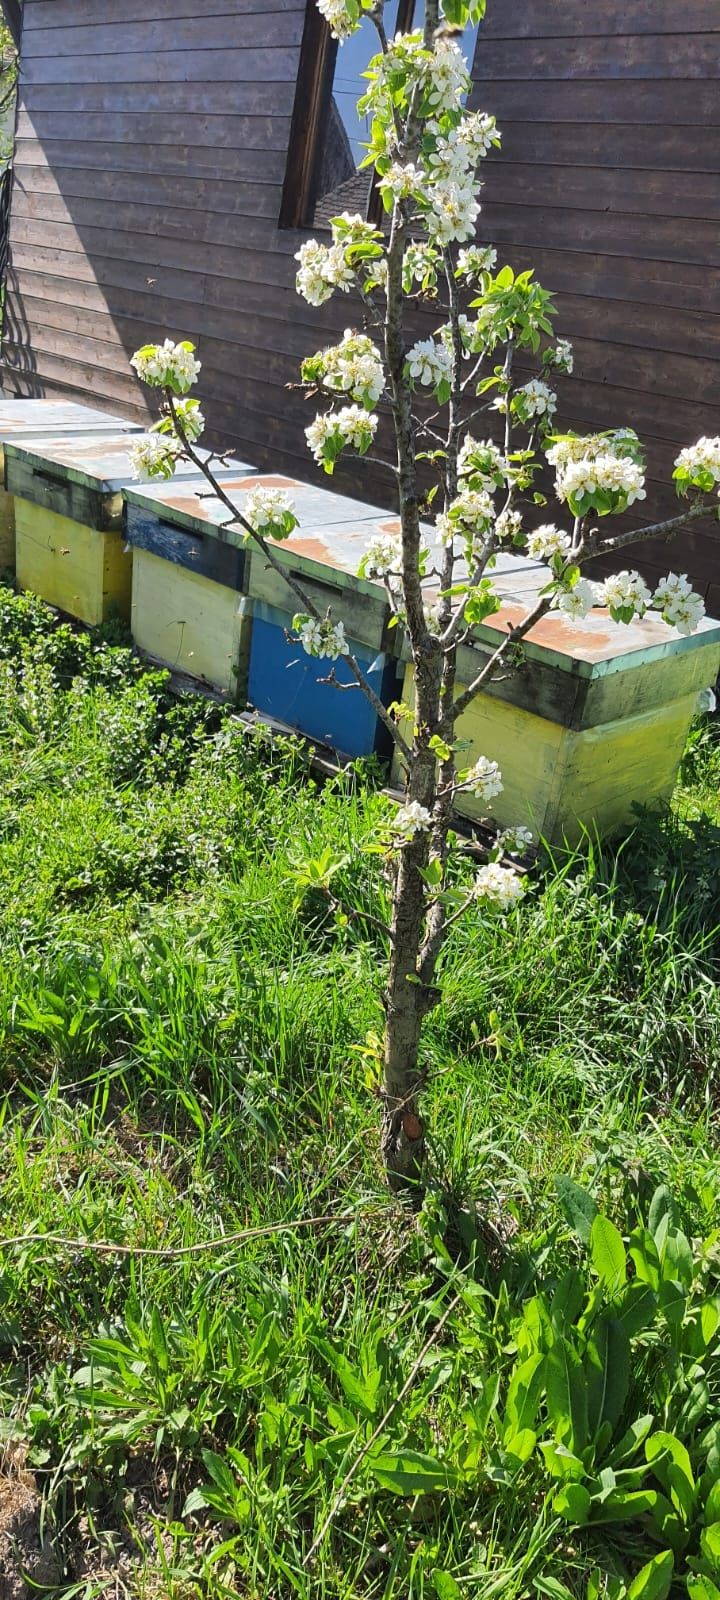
column 483, row 461
column 403, row 181
column 618, row 476
column 351, row 425
column 322, row 269
column 561, row 357
column 342, row 23
column 355, row 367
column 476, row 259
column 167, row 365
column 430, row 363
column 324, row 639
column 576, row 602
column 548, row 542
column 154, row 457
column 681, row 607
column 701, row 460
column 516, row 840
column 411, row 819
column 484, row 779
column 624, row 591
column 508, row 527
column 535, row 399
column 500, row 886
column 270, row 510
column 383, row 557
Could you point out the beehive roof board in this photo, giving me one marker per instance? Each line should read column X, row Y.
column 84, row 477
column 334, row 531
column 30, row 419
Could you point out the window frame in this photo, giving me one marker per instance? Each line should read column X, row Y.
column 313, row 92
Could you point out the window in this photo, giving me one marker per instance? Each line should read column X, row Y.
column 327, row 138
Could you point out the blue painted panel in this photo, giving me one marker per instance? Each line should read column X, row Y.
column 202, row 553
column 283, row 682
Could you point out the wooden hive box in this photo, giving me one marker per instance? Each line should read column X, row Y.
column 591, row 725
column 323, row 555
column 38, row 419
column 70, row 522
column 189, row 577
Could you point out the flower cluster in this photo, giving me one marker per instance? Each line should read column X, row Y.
column 482, row 463
column 167, row 366
column 383, row 557
column 323, row 269
column 410, row 819
column 329, row 435
column 515, row 840
column 534, row 399
column 353, row 367
column 155, row 456
column 576, row 600
column 190, row 418
column 474, row 261
column 560, row 356
column 420, row 264
column 508, row 527
column 625, row 594
column 342, row 19
column 468, row 516
column 429, row 363
column 271, row 513
column 548, row 543
column 681, row 607
column 499, row 886
column 698, row 467
column 321, row 638
column 483, row 779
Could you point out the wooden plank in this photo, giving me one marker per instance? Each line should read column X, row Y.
column 693, row 104
column 266, row 164
column 668, row 147
column 133, row 138
column 68, row 565
column 63, row 14
column 535, row 19
column 217, row 66
column 668, row 239
column 595, row 188
column 602, row 57
column 239, row 98
column 190, row 623
column 273, row 27
column 62, row 185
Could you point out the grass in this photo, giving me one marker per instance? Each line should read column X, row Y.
column 187, row 1050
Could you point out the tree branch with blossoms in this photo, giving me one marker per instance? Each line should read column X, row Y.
column 425, row 149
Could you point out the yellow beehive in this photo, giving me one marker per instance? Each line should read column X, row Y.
column 591, row 725
column 35, row 420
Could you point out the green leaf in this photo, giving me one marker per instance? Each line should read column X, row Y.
column 702, row 1588
column 622, row 1507
column 607, row 1364
column 566, row 1396
column 653, row 1580
column 408, row 1472
column 608, row 1254
column 710, row 1545
column 662, row 1206
column 573, row 1502
column 671, row 1464
column 445, row 1586
column 578, row 1206
column 523, row 1394
column 553, row 1588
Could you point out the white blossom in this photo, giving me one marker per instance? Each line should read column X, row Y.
column 484, row 779
column 351, row 228
column 323, row 269
column 383, row 557
column 483, row 461
column 410, row 819
column 350, row 426
column 476, row 259
column 324, row 638
column 624, row 591
column 535, row 399
column 154, row 457
column 701, row 461
column 617, row 474
column 508, row 526
column 470, row 513
column 500, row 886
column 270, row 511
column 576, row 602
column 449, row 79
column 167, row 365
column 515, row 840
column 342, row 22
column 355, row 367
column 404, row 180
column 429, row 363
column 561, row 357
column 548, row 542
column 681, row 607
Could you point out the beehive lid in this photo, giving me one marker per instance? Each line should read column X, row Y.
column 595, row 646
column 25, row 418
column 102, row 464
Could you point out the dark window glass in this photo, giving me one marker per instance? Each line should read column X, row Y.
column 340, row 185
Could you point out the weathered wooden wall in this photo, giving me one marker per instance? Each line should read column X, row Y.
column 150, row 160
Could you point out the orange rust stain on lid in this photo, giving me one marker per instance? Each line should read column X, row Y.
column 313, row 548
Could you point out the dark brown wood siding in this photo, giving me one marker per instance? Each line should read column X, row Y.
column 150, row 162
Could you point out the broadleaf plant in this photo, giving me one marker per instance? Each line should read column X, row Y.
column 465, row 413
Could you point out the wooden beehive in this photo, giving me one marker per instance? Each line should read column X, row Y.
column 188, row 610
column 70, row 522
column 36, row 420
column 591, row 725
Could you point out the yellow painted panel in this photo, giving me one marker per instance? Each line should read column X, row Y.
column 117, row 575
column 61, row 561
column 558, row 782
column 189, row 622
column 7, row 530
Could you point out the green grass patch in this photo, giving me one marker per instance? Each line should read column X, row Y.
column 187, row 1059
